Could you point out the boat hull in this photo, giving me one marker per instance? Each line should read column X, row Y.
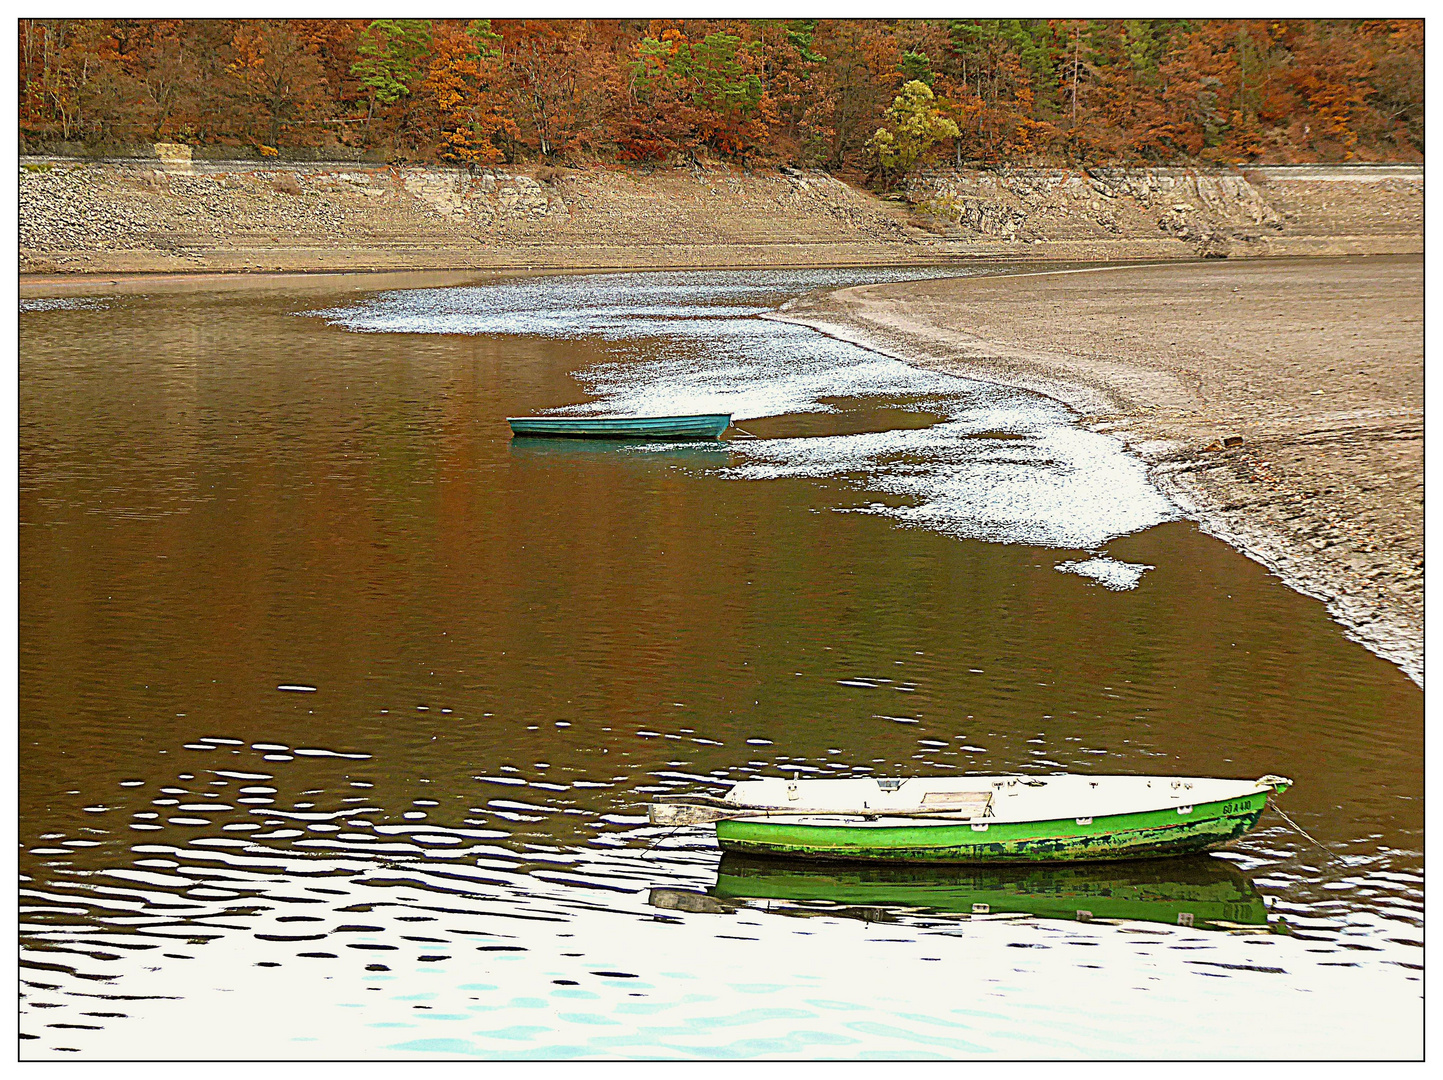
column 1145, row 834
column 700, row 426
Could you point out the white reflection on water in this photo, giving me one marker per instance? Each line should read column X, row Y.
column 62, row 303
column 458, row 939
column 1109, row 573
column 461, row 938
column 694, row 343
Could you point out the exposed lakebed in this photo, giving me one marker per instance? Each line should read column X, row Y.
column 432, row 841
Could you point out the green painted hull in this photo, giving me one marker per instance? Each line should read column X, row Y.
column 1149, row 834
column 1198, row 891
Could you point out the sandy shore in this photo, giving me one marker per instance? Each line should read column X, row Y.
column 1317, row 365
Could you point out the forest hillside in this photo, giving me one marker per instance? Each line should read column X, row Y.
column 870, row 99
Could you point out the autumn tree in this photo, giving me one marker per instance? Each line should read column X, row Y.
column 796, row 82
column 1330, row 75
column 556, row 80
column 685, row 94
column 807, row 91
column 391, row 60
column 914, row 126
column 1005, row 77
column 463, row 97
column 864, row 59
column 68, row 68
column 276, row 76
column 334, row 42
column 735, row 113
column 163, row 71
column 1394, row 104
column 660, row 116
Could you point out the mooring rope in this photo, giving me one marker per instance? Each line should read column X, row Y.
column 657, row 842
column 1304, row 832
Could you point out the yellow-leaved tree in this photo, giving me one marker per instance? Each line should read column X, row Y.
column 914, row 127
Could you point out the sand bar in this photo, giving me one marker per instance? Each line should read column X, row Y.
column 1317, row 365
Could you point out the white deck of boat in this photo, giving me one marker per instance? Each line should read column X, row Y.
column 1013, row 798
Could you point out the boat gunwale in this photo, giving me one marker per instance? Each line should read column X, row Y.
column 1159, row 800
column 612, row 419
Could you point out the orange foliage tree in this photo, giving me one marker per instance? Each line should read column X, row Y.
column 277, row 79
column 467, row 109
column 557, row 77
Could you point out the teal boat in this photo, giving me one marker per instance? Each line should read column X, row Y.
column 976, row 819
column 698, row 426
column 1201, row 892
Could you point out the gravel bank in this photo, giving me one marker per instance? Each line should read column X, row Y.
column 175, row 215
column 1278, row 402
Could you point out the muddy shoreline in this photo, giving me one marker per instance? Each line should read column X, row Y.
column 1279, row 403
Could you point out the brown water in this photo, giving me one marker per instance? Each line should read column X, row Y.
column 439, row 846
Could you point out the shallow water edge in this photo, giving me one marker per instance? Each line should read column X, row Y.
column 1117, row 404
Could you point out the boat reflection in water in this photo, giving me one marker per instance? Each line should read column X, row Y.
column 701, row 455
column 1202, row 892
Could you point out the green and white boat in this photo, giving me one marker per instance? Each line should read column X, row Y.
column 976, row 819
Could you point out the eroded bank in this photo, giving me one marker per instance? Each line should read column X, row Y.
column 173, row 214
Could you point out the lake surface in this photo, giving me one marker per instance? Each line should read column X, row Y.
column 339, row 709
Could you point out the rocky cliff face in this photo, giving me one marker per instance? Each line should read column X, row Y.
column 481, row 200
column 1212, row 213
